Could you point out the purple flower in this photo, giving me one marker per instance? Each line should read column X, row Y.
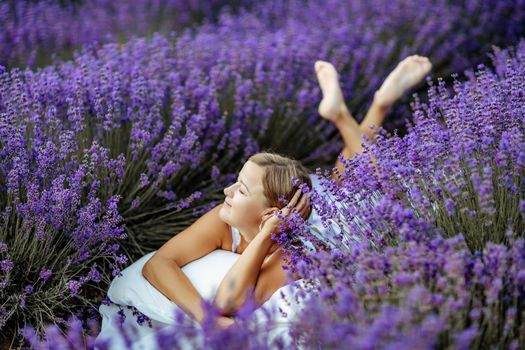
column 45, row 274
column 6, row 265
column 74, row 287
column 450, row 206
column 94, row 274
column 29, row 289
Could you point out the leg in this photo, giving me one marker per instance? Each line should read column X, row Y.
column 408, row 72
column 347, row 127
column 352, row 134
column 333, row 108
column 374, row 117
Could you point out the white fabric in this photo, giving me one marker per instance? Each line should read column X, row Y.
column 236, row 239
column 205, row 274
column 331, row 233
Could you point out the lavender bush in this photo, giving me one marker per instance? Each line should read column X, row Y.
column 31, row 32
column 58, row 239
column 185, row 333
column 417, row 295
column 458, row 173
column 426, row 273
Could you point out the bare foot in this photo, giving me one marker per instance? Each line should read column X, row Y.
column 408, row 73
column 332, row 102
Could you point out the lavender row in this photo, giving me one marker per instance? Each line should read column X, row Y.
column 31, row 32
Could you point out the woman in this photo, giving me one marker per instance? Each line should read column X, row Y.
column 245, row 221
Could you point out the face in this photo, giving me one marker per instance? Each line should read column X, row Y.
column 244, row 203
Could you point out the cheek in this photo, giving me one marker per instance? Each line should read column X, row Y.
column 244, row 209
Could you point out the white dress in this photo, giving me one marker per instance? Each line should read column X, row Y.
column 131, row 292
column 331, row 234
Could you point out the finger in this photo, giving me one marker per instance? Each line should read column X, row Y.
column 306, row 214
column 294, row 203
column 285, row 211
column 303, row 210
column 295, row 198
column 304, row 202
column 300, row 206
column 306, row 210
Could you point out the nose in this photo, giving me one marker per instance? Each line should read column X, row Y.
column 227, row 190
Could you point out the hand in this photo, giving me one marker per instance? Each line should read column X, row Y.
column 225, row 322
column 299, row 202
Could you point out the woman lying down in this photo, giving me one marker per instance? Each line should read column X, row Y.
column 228, row 254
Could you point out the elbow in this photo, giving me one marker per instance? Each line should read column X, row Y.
column 226, row 307
column 143, row 271
column 222, row 306
column 146, row 269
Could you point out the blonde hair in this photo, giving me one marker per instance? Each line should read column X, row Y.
column 277, row 179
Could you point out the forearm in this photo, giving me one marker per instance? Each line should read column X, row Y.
column 165, row 275
column 242, row 277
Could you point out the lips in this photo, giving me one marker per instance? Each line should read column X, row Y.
column 228, row 204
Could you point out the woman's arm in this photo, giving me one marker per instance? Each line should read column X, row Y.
column 242, row 276
column 167, row 277
column 163, row 269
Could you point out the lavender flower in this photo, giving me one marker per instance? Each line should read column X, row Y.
column 45, row 274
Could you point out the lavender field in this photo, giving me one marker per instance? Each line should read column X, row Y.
column 121, row 122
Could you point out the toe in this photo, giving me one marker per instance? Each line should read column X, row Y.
column 318, row 65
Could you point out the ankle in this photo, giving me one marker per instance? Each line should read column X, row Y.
column 344, row 113
column 340, row 119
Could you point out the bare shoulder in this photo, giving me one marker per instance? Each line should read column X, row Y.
column 206, row 234
column 223, row 228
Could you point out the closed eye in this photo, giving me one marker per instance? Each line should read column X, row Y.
column 240, row 186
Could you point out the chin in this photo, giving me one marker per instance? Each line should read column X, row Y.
column 224, row 215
